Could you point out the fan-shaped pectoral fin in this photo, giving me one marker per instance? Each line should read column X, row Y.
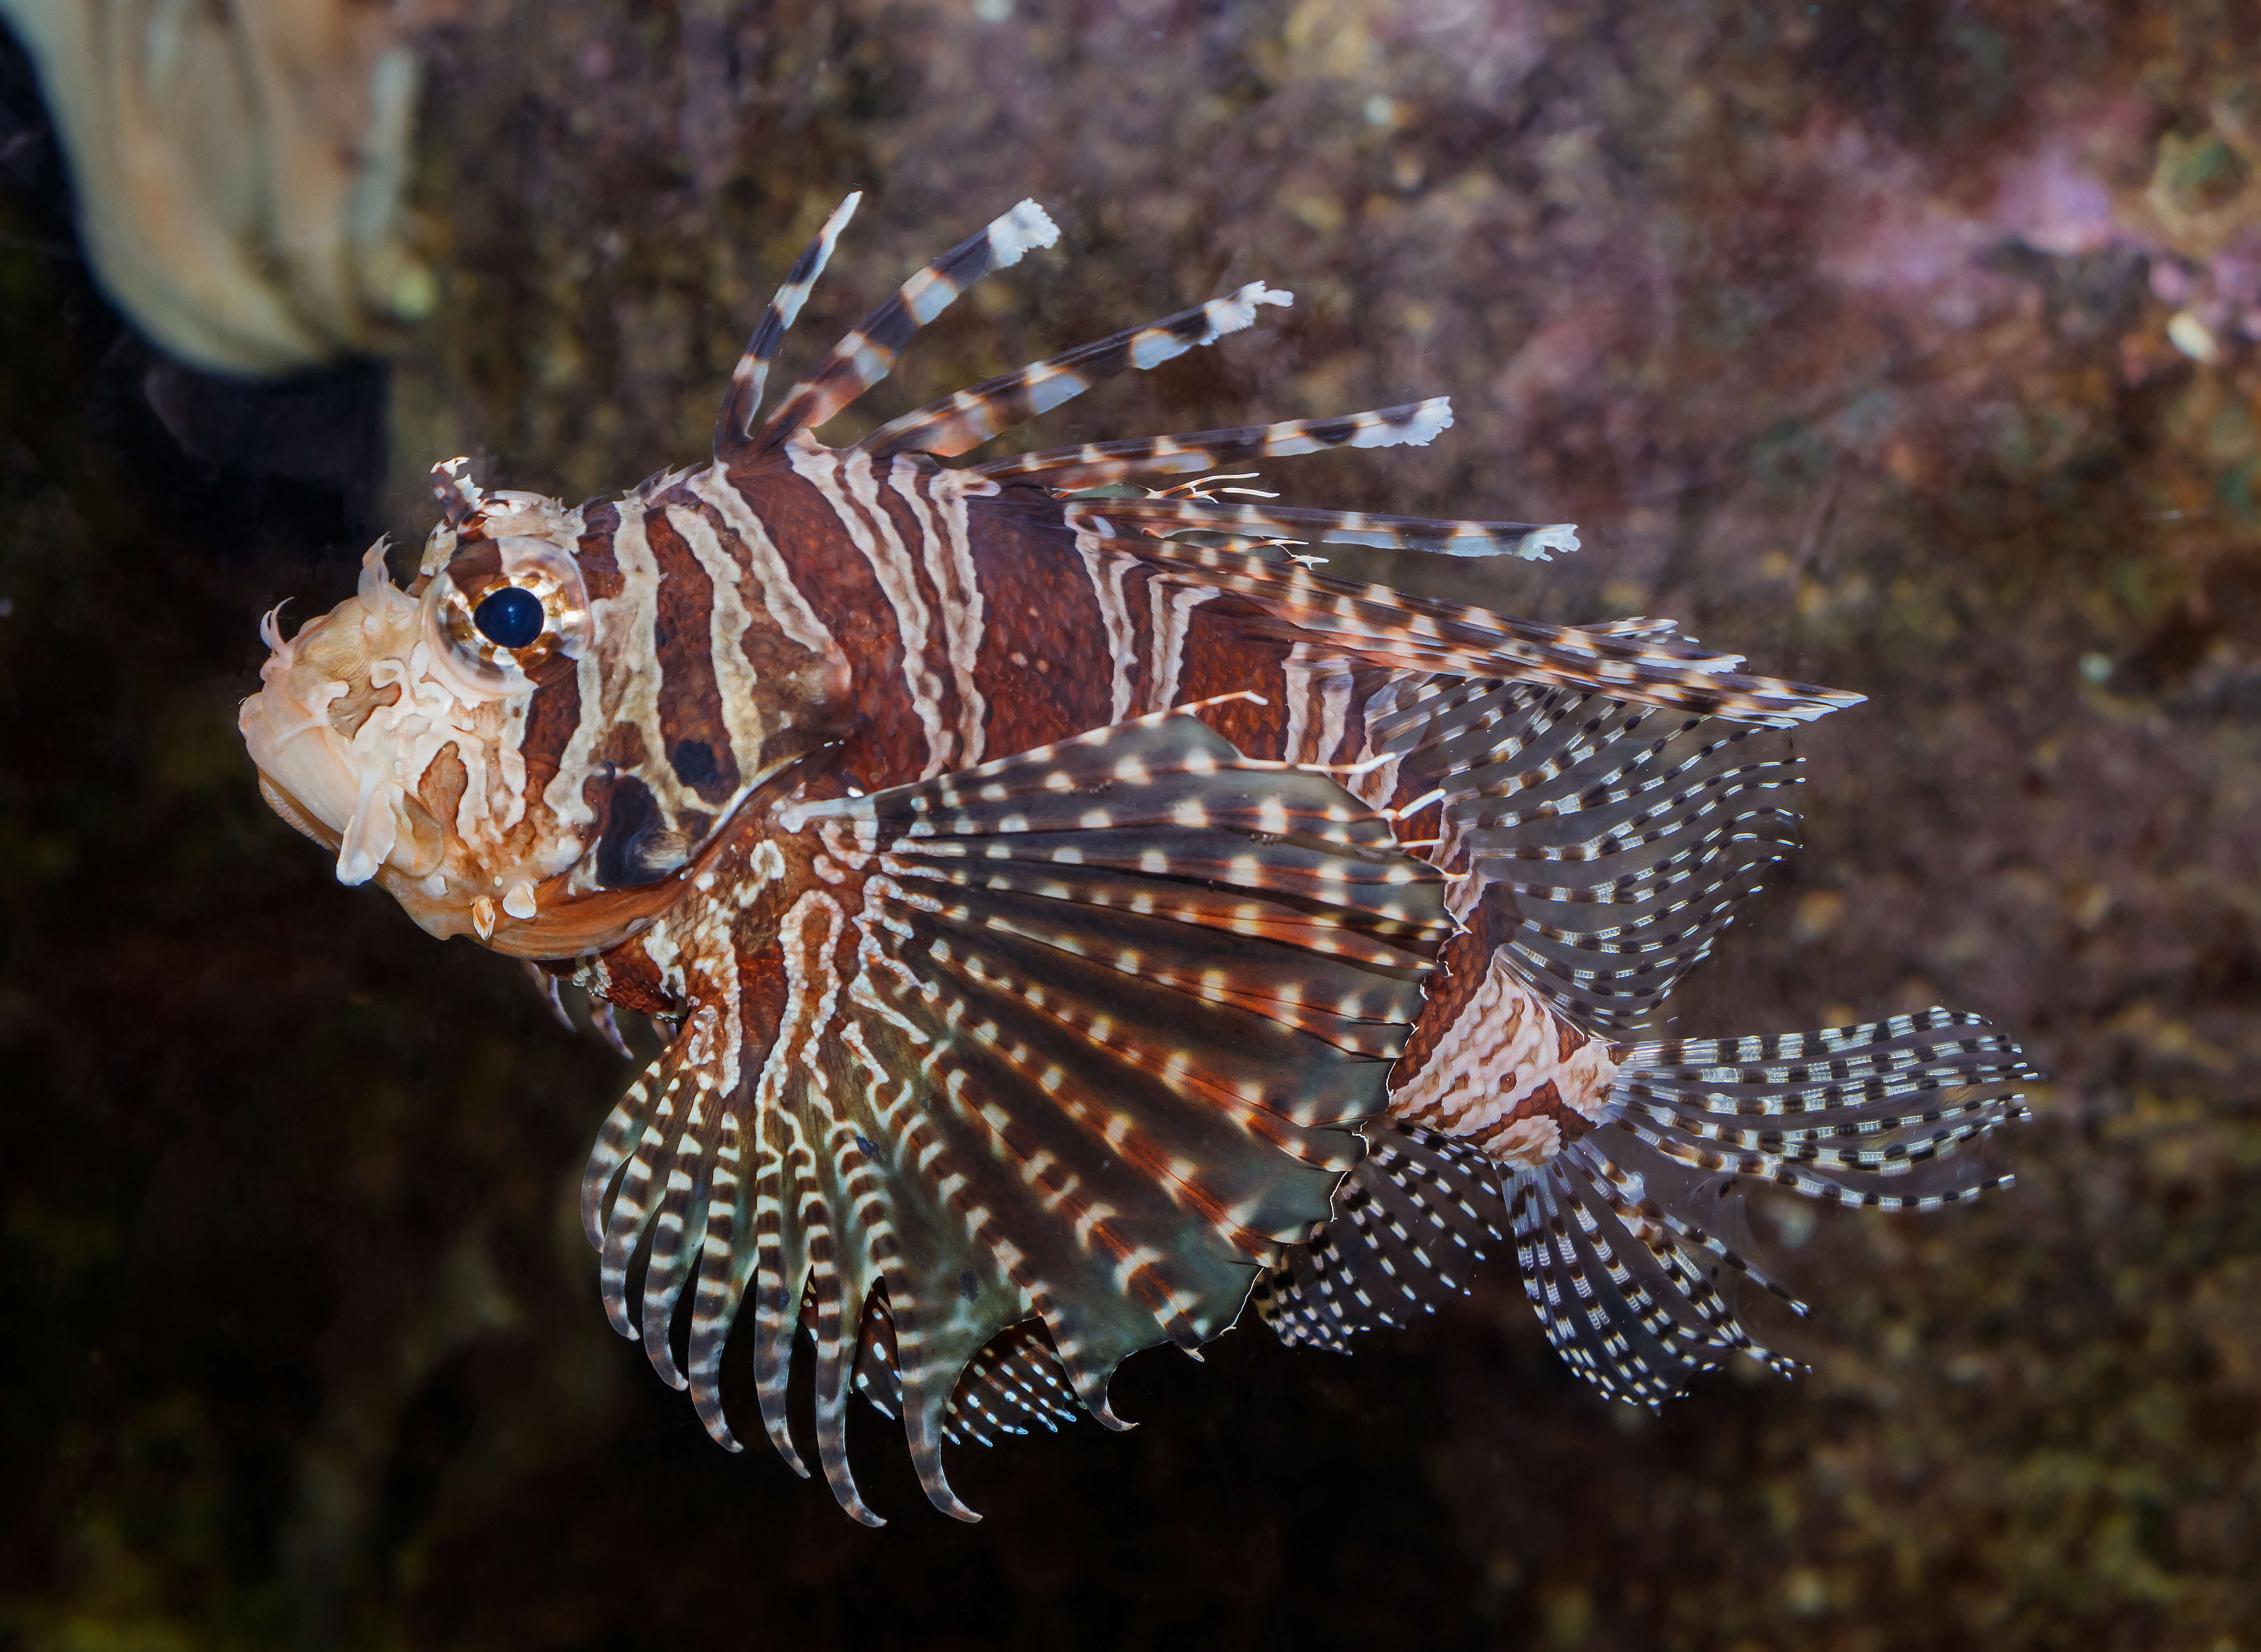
column 1080, row 1037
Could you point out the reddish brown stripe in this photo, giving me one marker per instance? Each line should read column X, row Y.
column 887, row 748
column 1216, row 660
column 911, row 534
column 804, row 688
column 697, row 741
column 441, row 786
column 550, row 720
column 600, row 569
column 1460, row 971
column 1045, row 669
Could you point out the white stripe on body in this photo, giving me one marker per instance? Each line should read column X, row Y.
column 1502, row 1048
column 736, row 683
column 1106, row 571
column 779, row 595
column 949, row 557
column 1172, row 610
column 626, row 625
column 1296, row 674
column 836, row 476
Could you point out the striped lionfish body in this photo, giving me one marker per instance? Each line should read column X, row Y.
column 1074, row 914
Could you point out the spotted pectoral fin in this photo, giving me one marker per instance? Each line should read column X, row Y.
column 1077, row 1037
column 1014, row 1383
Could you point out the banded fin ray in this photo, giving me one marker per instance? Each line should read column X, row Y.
column 1533, row 542
column 1014, row 1383
column 972, row 416
column 869, row 351
column 1616, row 840
column 1411, row 1220
column 1847, row 1115
column 1640, row 661
column 1099, row 463
column 743, row 399
column 998, row 1091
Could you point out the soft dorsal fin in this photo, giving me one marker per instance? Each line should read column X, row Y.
column 1639, row 661
column 864, row 357
column 743, row 398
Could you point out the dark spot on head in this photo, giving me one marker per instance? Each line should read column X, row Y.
column 633, row 823
column 968, row 1286
column 694, row 761
column 865, row 1145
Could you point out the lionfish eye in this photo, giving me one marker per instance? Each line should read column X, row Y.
column 511, row 616
column 505, row 616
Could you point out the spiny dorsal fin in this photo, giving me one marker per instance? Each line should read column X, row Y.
column 972, row 416
column 864, row 356
column 1098, row 463
column 734, row 425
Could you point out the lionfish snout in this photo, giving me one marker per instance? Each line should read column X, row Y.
column 329, row 697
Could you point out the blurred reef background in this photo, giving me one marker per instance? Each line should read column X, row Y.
column 1914, row 348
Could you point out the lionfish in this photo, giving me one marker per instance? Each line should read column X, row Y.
column 1074, row 916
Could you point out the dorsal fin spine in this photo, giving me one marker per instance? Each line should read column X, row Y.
column 743, row 398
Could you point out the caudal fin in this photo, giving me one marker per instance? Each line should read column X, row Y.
column 1619, row 1236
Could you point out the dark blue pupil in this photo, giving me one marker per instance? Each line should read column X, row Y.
column 510, row 616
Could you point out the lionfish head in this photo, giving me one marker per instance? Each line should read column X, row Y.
column 476, row 743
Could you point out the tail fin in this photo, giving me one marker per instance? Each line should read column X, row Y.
column 1617, row 1237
